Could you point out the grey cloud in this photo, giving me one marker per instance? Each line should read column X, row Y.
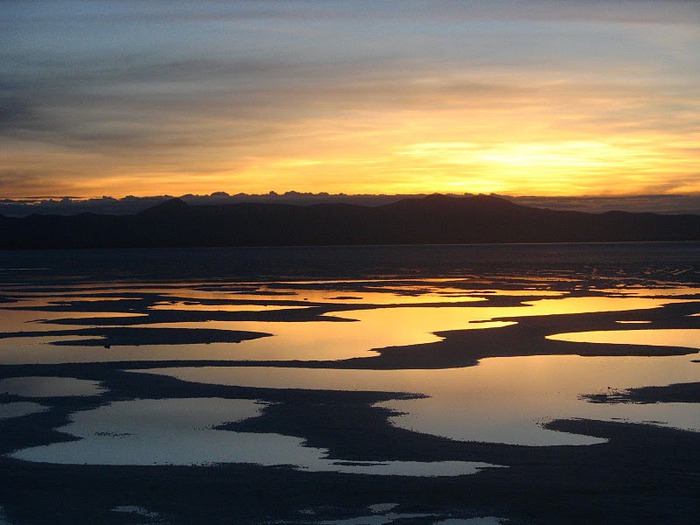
column 20, row 117
column 133, row 101
column 10, row 176
column 604, row 11
column 174, row 11
column 26, row 181
column 16, row 113
column 96, row 74
column 668, row 204
column 175, row 104
column 12, row 110
column 159, row 11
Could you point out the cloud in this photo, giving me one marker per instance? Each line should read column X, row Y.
column 669, row 204
column 154, row 89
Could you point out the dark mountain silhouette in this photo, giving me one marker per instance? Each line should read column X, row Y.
column 435, row 219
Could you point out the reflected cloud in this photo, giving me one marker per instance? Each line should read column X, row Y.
column 180, row 432
column 50, row 387
column 196, row 307
column 460, row 404
column 688, row 338
column 19, row 409
column 401, row 317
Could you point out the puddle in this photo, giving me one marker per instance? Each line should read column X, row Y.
column 38, row 321
column 179, row 432
column 687, row 338
column 9, row 410
column 50, row 387
column 365, row 330
column 198, row 307
column 362, row 330
column 502, row 400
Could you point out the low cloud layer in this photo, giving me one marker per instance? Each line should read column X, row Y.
column 662, row 204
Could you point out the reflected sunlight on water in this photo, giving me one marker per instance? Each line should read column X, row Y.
column 49, row 387
column 196, row 307
column 689, row 338
column 502, row 400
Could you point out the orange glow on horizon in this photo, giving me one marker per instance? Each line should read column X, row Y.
column 390, row 151
column 513, row 134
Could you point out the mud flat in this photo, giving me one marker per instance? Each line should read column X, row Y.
column 642, row 473
column 126, row 349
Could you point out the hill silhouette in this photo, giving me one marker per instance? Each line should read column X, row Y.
column 435, row 219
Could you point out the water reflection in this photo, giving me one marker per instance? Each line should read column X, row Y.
column 503, row 400
column 18, row 409
column 643, row 291
column 394, row 295
column 689, row 338
column 327, row 340
column 185, row 306
column 14, row 319
column 383, row 327
column 180, row 432
column 366, row 292
column 49, row 387
column 361, row 331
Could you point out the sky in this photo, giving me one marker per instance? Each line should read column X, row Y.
column 152, row 97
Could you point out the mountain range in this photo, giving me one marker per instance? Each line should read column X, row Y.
column 434, row 219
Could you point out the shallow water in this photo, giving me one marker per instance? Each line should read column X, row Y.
column 503, row 400
column 345, row 334
column 689, row 338
column 49, row 387
column 180, row 432
column 373, row 297
column 19, row 409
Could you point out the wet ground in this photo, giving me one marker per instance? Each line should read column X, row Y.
column 530, row 397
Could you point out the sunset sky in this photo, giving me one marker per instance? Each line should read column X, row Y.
column 543, row 98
